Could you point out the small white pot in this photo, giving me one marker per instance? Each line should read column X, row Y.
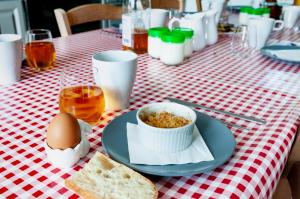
column 166, row 139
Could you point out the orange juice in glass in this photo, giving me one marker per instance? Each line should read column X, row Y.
column 80, row 97
column 39, row 49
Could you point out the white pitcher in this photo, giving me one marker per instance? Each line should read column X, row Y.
column 211, row 31
column 199, row 31
column 218, row 6
column 195, row 22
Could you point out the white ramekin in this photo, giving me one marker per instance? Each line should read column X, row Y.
column 166, row 139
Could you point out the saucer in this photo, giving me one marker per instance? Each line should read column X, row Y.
column 218, row 138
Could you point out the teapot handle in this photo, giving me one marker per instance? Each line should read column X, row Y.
column 172, row 21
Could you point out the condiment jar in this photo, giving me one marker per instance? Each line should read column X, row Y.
column 154, row 41
column 188, row 42
column 173, row 48
column 266, row 12
column 255, row 13
column 244, row 16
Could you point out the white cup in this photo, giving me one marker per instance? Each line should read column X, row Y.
column 158, row 17
column 259, row 30
column 290, row 15
column 10, row 58
column 114, row 71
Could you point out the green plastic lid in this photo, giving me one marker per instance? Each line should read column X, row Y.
column 157, row 31
column 187, row 32
column 266, row 10
column 245, row 9
column 257, row 11
column 172, row 37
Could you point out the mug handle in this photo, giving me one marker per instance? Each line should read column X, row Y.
column 172, row 21
column 278, row 25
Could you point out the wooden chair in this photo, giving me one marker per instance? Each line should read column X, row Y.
column 168, row 4
column 84, row 14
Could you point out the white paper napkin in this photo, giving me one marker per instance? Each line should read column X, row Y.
column 139, row 154
column 289, row 55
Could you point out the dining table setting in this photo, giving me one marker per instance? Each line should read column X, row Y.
column 242, row 106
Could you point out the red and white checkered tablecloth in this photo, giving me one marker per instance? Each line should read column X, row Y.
column 256, row 86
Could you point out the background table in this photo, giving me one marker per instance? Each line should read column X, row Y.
column 256, row 86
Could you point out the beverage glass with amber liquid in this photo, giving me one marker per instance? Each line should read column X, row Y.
column 39, row 49
column 79, row 96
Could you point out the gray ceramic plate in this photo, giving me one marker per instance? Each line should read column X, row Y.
column 266, row 51
column 217, row 136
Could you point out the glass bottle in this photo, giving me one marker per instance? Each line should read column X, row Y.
column 275, row 9
column 135, row 24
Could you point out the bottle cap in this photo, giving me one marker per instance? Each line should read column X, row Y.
column 187, row 32
column 157, row 31
column 172, row 37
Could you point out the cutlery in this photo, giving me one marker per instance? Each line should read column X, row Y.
column 248, row 118
column 233, row 125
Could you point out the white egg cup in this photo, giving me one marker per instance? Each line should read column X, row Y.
column 68, row 157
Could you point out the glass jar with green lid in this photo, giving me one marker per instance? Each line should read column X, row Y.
column 154, row 41
column 188, row 43
column 266, row 12
column 172, row 48
column 244, row 15
column 255, row 13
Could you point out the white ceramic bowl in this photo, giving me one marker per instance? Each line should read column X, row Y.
column 166, row 139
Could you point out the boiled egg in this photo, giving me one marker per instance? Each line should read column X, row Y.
column 63, row 132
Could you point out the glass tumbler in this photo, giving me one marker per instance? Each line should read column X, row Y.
column 39, row 49
column 79, row 96
column 240, row 42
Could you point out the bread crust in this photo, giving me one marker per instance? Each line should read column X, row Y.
column 85, row 194
column 88, row 195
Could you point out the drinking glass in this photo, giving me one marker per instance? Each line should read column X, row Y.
column 39, row 48
column 79, row 96
column 240, row 42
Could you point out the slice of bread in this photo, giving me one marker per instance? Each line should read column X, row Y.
column 103, row 178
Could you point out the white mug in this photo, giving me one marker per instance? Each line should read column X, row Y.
column 114, row 71
column 259, row 30
column 290, row 15
column 158, row 17
column 10, row 58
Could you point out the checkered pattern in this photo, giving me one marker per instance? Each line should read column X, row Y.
column 256, row 86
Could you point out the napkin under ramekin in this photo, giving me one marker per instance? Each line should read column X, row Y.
column 289, row 55
column 139, row 154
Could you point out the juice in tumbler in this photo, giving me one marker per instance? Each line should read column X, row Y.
column 40, row 55
column 84, row 102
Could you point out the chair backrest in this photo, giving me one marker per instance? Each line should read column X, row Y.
column 168, row 4
column 84, row 14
